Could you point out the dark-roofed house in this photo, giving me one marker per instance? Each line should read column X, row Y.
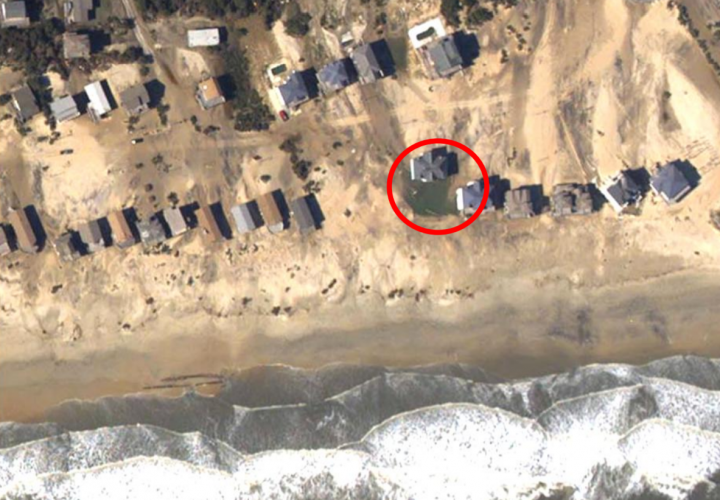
column 69, row 246
column 208, row 224
column 135, row 100
column 621, row 191
column 670, row 183
column 271, row 214
column 27, row 240
column 64, row 109
column 77, row 11
column 151, row 231
column 76, row 45
column 442, row 57
column 469, row 197
column 175, row 222
column 24, row 104
column 121, row 233
column 209, row 93
column 366, row 63
column 337, row 75
column 305, row 214
column 5, row 241
column 519, row 203
column 246, row 216
column 571, row 199
column 432, row 166
column 14, row 14
column 91, row 236
column 294, row 91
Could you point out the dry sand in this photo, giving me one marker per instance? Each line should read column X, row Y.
column 582, row 99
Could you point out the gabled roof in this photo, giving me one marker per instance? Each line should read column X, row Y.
column 175, row 221
column 208, row 223
column 64, row 109
column 469, row 197
column 431, row 166
column 444, row 56
column 121, row 233
column 99, row 102
column 151, row 231
column 303, row 215
column 77, row 11
column 246, row 217
column 91, row 236
column 76, row 45
column 270, row 211
column 26, row 238
column 519, row 203
column 135, row 100
column 366, row 64
column 336, row 75
column 294, row 91
column 25, row 104
column 621, row 191
column 670, row 183
column 571, row 199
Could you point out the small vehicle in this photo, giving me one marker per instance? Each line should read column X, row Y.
column 283, row 115
column 137, row 140
column 67, row 152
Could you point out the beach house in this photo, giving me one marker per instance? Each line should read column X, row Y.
column 621, row 191
column 121, row 233
column 571, row 199
column 27, row 240
column 433, row 165
column 670, row 183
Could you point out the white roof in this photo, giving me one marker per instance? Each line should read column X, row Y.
column 434, row 24
column 204, row 37
column 243, row 218
column 98, row 100
column 469, row 196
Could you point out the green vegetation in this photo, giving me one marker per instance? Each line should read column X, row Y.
column 472, row 11
column 479, row 16
column 297, row 23
column 271, row 10
column 251, row 112
column 450, row 10
column 34, row 50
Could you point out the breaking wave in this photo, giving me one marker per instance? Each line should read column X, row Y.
column 446, row 431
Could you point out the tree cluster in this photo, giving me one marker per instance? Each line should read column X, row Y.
column 271, row 10
column 34, row 50
column 472, row 11
column 251, row 112
column 297, row 23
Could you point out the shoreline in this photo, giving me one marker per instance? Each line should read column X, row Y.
column 549, row 330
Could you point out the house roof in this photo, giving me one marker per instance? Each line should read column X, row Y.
column 246, row 217
column 64, row 108
column 210, row 93
column 469, row 197
column 571, row 199
column 99, row 102
column 670, row 183
column 336, row 75
column 14, row 10
column 431, row 166
column 366, row 64
column 121, row 233
column 68, row 247
column 519, row 203
column 621, row 191
column 294, row 91
column 77, row 11
column 175, row 221
column 25, row 104
column 91, row 235
column 26, row 237
column 135, row 100
column 76, row 45
column 303, row 215
column 206, row 37
column 208, row 223
column 151, row 230
column 444, row 56
column 270, row 210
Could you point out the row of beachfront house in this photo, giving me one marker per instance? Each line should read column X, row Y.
column 671, row 182
column 124, row 229
column 14, row 13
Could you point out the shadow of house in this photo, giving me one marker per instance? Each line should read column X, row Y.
column 598, row 199
column 132, row 219
column 108, row 93
column 539, row 201
column 11, row 236
column 453, row 167
column 384, row 57
column 34, row 9
column 156, row 92
column 315, row 210
column 309, row 77
column 468, row 46
column 105, row 231
column 641, row 177
column 37, row 226
column 81, row 100
column 690, row 173
column 502, row 186
column 222, row 30
column 221, row 219
column 282, row 206
column 227, row 86
column 98, row 40
column 189, row 214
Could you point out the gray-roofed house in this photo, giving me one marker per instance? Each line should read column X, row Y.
column 670, row 183
column 621, row 191
column 76, row 45
column 519, row 203
column 246, row 216
column 443, row 57
column 68, row 246
column 91, row 236
column 366, row 63
column 64, row 109
column 14, row 14
column 176, row 224
column 5, row 241
column 304, row 216
column 469, row 197
column 77, row 11
column 431, row 166
column 571, row 199
column 24, row 104
column 151, row 231
column 294, row 91
column 336, row 76
column 135, row 100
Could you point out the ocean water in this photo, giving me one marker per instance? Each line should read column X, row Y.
column 435, row 432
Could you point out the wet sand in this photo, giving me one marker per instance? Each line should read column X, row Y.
column 539, row 332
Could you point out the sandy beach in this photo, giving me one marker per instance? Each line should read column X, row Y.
column 583, row 97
